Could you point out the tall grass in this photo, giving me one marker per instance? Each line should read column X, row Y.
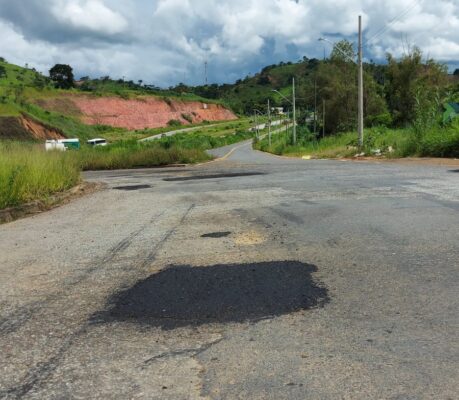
column 28, row 173
column 132, row 154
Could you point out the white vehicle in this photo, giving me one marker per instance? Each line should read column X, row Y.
column 97, row 142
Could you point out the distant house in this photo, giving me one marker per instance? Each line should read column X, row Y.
column 452, row 112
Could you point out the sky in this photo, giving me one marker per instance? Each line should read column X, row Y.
column 164, row 42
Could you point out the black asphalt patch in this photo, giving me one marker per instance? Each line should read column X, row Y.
column 216, row 235
column 213, row 176
column 132, row 187
column 454, row 170
column 188, row 296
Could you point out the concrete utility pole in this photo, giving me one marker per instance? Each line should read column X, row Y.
column 269, row 122
column 205, row 72
column 315, row 106
column 294, row 113
column 360, row 115
column 323, row 120
column 360, row 73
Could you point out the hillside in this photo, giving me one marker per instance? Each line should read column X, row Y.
column 31, row 108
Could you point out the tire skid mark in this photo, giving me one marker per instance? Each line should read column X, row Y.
column 38, row 374
column 193, row 352
column 12, row 322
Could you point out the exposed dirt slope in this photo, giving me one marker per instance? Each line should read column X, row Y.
column 145, row 112
column 26, row 128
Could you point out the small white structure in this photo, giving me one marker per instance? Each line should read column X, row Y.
column 62, row 144
column 54, row 145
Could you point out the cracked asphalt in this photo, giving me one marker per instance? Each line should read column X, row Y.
column 251, row 277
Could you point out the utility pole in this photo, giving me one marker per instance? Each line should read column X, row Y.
column 294, row 113
column 360, row 115
column 315, row 106
column 269, row 122
column 323, row 120
column 205, row 72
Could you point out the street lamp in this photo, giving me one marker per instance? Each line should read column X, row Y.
column 257, row 112
column 293, row 103
column 360, row 90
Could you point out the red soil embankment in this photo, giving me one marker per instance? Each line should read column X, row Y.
column 26, row 128
column 147, row 112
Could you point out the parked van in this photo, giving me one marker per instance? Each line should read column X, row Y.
column 97, row 142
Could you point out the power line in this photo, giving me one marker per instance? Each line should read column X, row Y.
column 397, row 18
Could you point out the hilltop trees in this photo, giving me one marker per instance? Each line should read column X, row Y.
column 2, row 71
column 62, row 75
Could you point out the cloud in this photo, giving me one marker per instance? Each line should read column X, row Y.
column 167, row 41
column 92, row 15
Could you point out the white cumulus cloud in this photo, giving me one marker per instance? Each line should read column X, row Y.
column 167, row 41
column 89, row 14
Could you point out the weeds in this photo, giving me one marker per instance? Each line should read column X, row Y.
column 28, row 173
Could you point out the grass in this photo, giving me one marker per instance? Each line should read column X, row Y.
column 27, row 173
column 133, row 154
column 436, row 141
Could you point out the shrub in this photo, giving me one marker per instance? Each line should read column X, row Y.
column 188, row 118
column 174, row 122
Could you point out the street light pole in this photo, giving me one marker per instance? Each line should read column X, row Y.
column 360, row 115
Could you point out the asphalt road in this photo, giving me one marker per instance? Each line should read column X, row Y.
column 252, row 277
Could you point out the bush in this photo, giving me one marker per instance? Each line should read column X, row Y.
column 188, row 118
column 174, row 122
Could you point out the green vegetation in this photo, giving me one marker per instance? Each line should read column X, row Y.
column 202, row 141
column 62, row 76
column 434, row 142
column 134, row 154
column 27, row 173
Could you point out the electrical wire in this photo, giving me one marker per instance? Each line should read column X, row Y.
column 385, row 28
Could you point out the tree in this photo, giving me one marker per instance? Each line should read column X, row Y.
column 343, row 51
column 413, row 84
column 2, row 71
column 456, row 72
column 337, row 86
column 62, row 75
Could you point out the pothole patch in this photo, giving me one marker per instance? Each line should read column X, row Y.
column 129, row 188
column 216, row 235
column 212, row 176
column 185, row 295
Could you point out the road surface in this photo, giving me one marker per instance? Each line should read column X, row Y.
column 252, row 277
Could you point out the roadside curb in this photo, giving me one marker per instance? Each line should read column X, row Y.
column 36, row 207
